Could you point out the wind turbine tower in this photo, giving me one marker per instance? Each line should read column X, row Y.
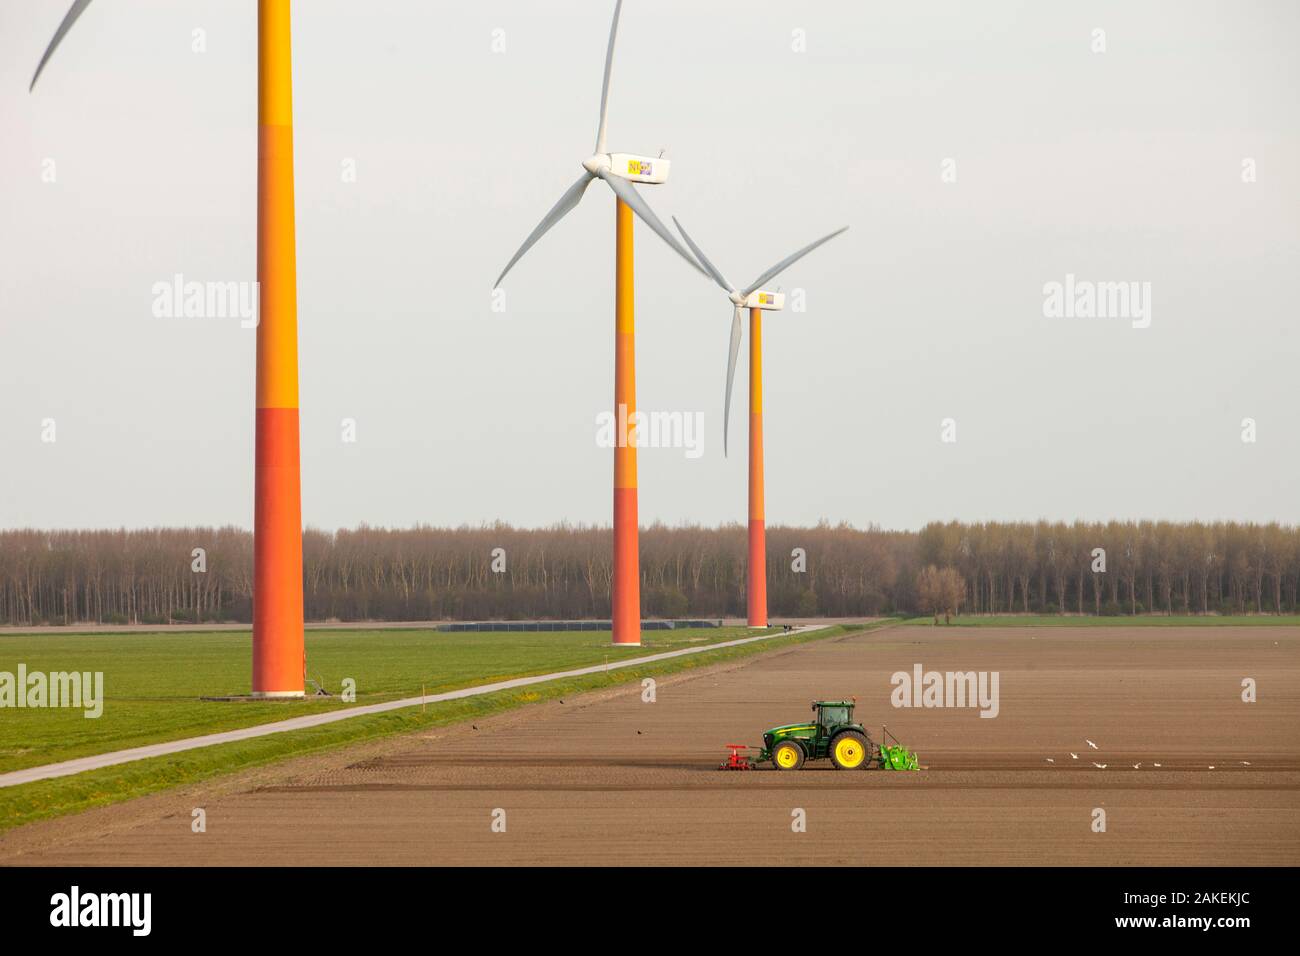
column 619, row 171
column 279, row 654
column 756, row 300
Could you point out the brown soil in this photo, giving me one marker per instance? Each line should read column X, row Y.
column 607, row 779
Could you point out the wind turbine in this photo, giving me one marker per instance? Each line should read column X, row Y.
column 757, row 300
column 619, row 171
column 278, row 651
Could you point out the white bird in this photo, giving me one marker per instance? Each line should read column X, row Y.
column 1155, row 765
column 1211, row 766
column 1245, row 763
column 1050, row 760
column 1074, row 755
column 1099, row 766
column 1137, row 766
column 1091, row 744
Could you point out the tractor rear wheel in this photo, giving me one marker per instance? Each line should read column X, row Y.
column 787, row 755
column 849, row 750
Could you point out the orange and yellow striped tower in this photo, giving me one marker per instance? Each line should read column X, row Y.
column 278, row 651
column 756, row 583
column 626, row 597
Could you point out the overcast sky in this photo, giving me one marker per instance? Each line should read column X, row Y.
column 1120, row 166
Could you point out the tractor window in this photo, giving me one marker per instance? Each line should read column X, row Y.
column 833, row 716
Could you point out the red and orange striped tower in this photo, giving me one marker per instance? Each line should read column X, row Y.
column 626, row 596
column 278, row 651
column 756, row 583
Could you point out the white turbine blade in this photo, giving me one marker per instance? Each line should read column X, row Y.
column 731, row 374
column 627, row 192
column 69, row 18
column 604, row 90
column 562, row 208
column 785, row 263
column 718, row 277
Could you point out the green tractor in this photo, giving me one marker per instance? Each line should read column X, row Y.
column 832, row 734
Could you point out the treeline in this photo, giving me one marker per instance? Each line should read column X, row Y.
column 497, row 572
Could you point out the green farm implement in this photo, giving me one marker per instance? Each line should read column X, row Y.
column 831, row 734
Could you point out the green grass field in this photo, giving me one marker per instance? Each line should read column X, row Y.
column 153, row 682
column 463, row 660
column 1140, row 620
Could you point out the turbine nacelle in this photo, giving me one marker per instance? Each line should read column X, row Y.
column 767, row 301
column 651, row 170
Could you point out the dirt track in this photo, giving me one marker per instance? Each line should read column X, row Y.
column 609, row 779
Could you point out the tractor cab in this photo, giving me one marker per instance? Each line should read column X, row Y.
column 832, row 714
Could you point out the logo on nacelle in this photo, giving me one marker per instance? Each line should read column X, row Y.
column 638, row 167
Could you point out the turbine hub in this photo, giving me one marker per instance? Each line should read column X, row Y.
column 594, row 164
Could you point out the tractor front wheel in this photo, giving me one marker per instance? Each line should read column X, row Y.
column 787, row 755
column 849, row 750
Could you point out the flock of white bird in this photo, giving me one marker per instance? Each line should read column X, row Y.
column 1136, row 766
